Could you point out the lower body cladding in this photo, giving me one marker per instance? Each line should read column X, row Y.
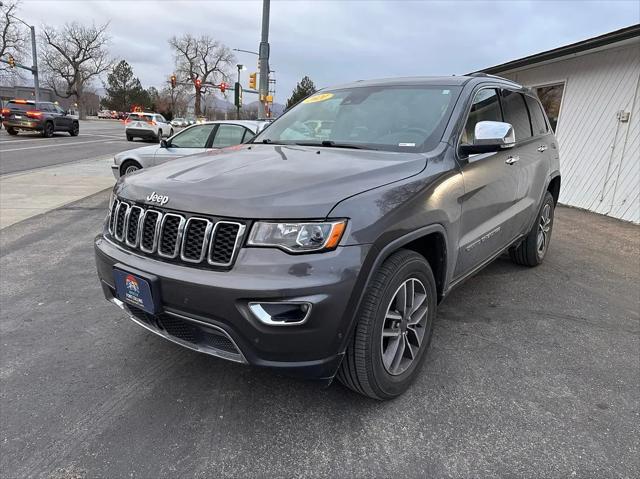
column 272, row 309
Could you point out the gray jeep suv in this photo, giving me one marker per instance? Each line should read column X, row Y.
column 323, row 247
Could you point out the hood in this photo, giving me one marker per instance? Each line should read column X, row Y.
column 142, row 151
column 269, row 181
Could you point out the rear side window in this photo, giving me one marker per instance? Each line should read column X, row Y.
column 485, row 107
column 537, row 117
column 228, row 135
column 515, row 112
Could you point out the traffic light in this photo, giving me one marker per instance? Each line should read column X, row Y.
column 12, row 61
column 173, row 81
column 252, row 81
column 198, row 83
column 223, row 87
column 237, row 97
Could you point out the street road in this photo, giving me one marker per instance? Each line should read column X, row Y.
column 531, row 373
column 29, row 150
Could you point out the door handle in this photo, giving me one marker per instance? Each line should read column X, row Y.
column 542, row 148
column 512, row 159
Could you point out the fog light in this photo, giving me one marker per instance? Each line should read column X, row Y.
column 281, row 313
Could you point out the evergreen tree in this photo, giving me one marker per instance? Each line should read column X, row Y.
column 124, row 90
column 302, row 90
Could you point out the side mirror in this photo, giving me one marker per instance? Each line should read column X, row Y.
column 490, row 136
column 164, row 143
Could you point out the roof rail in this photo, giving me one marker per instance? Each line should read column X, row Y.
column 487, row 75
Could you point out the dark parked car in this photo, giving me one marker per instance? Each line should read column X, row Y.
column 42, row 116
column 323, row 247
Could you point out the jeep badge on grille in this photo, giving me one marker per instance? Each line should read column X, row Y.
column 161, row 199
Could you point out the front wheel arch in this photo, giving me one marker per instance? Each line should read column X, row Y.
column 126, row 164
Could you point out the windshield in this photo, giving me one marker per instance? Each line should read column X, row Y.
column 393, row 118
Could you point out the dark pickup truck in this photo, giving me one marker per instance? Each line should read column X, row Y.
column 323, row 246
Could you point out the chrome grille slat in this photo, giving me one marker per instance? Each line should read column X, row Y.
column 150, row 227
column 134, row 215
column 194, row 243
column 172, row 236
column 121, row 220
column 226, row 259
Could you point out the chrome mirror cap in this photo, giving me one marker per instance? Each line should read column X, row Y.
column 494, row 133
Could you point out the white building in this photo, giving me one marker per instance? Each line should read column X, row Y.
column 590, row 92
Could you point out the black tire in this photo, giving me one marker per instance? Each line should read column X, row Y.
column 171, row 133
column 75, row 129
column 159, row 136
column 363, row 369
column 48, row 130
column 128, row 167
column 129, row 138
column 529, row 251
column 12, row 131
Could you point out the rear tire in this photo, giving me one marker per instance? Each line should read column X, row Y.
column 129, row 138
column 391, row 337
column 75, row 129
column 533, row 248
column 12, row 131
column 48, row 130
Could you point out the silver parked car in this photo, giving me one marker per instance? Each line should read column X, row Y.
column 194, row 139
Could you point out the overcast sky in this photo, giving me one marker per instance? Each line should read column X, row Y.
column 340, row 40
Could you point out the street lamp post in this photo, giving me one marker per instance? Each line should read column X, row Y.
column 34, row 67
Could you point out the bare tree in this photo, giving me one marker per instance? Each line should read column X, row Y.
column 73, row 56
column 203, row 59
column 12, row 42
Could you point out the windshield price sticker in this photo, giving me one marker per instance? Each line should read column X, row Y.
column 317, row 98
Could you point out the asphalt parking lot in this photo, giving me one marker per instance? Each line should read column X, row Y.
column 532, row 373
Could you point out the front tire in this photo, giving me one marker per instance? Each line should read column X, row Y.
column 393, row 330
column 75, row 129
column 159, row 136
column 12, row 131
column 533, row 248
column 171, row 133
column 129, row 167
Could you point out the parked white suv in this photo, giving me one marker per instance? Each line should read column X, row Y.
column 147, row 126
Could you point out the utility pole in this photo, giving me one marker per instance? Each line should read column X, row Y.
column 34, row 67
column 263, row 60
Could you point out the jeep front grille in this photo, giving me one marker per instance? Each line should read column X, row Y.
column 174, row 236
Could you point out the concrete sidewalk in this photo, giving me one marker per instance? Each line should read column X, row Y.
column 30, row 193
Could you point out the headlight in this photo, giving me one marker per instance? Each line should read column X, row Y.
column 298, row 237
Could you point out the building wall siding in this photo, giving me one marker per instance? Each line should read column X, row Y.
column 599, row 155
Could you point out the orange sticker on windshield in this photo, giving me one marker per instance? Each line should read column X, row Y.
column 317, row 98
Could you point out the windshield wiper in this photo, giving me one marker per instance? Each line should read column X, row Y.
column 333, row 144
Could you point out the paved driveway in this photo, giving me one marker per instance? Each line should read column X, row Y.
column 532, row 373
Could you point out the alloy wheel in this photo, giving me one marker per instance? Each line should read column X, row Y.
column 544, row 230
column 404, row 326
column 130, row 169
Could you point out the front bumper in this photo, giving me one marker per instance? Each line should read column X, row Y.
column 217, row 301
